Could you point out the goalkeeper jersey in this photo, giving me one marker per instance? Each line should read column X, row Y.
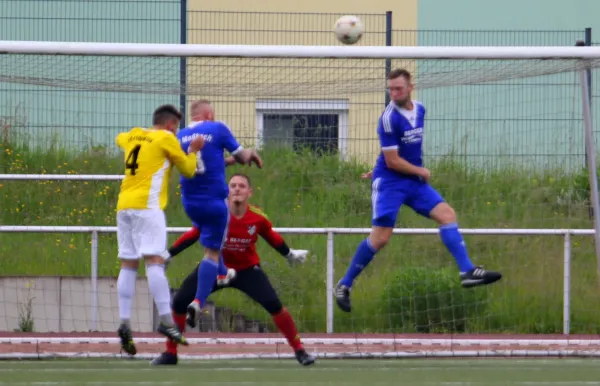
column 401, row 130
column 239, row 250
column 149, row 157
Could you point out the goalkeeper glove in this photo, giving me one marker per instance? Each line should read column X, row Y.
column 226, row 279
column 296, row 256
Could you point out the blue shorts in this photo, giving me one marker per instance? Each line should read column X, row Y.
column 387, row 198
column 211, row 217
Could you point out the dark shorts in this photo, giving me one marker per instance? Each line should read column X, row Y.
column 252, row 281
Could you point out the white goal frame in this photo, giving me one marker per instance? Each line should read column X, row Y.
column 372, row 52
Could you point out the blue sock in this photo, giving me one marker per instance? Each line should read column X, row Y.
column 207, row 274
column 362, row 257
column 453, row 240
column 222, row 267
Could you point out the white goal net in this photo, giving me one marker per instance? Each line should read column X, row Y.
column 504, row 138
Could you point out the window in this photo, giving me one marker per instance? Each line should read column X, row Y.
column 319, row 125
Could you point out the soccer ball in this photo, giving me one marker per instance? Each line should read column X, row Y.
column 349, row 29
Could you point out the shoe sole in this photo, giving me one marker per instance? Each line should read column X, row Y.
column 163, row 363
column 190, row 320
column 128, row 346
column 129, row 349
column 477, row 283
column 343, row 306
column 182, row 341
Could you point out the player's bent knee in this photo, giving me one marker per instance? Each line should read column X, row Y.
column 150, row 266
column 154, row 259
column 212, row 254
column 273, row 307
column 130, row 263
column 443, row 214
column 380, row 236
column 181, row 301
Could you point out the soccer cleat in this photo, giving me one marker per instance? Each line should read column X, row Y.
column 166, row 358
column 478, row 276
column 126, row 339
column 342, row 297
column 224, row 280
column 172, row 332
column 304, row 358
column 193, row 314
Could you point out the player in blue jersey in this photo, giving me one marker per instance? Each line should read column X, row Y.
column 400, row 178
column 204, row 196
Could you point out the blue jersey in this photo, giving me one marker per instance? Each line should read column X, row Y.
column 217, row 138
column 402, row 130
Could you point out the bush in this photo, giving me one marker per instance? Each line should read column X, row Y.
column 427, row 300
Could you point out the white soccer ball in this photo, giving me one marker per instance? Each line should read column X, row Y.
column 349, row 29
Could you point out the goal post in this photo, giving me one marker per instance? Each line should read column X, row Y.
column 503, row 136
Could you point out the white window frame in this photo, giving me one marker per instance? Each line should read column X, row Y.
column 307, row 106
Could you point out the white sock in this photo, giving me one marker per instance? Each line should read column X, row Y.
column 159, row 288
column 126, row 290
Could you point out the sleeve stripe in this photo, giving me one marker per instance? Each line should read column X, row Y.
column 237, row 150
column 395, row 147
column 258, row 211
column 386, row 119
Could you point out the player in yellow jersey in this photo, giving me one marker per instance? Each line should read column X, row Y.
column 141, row 224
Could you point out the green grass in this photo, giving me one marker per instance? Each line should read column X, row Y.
column 480, row 372
column 308, row 191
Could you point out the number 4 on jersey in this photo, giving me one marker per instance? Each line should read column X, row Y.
column 131, row 161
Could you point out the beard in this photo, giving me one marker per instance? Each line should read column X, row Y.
column 403, row 102
column 237, row 200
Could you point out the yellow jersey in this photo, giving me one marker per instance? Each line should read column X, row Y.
column 149, row 157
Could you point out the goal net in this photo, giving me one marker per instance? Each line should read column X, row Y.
column 504, row 139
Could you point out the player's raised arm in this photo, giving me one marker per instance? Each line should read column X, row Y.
column 239, row 154
column 185, row 163
column 388, row 139
column 277, row 242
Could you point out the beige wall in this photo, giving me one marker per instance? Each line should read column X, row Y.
column 235, row 84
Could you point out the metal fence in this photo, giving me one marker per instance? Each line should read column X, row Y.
column 170, row 21
column 175, row 21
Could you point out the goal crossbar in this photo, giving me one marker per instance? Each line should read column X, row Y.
column 296, row 51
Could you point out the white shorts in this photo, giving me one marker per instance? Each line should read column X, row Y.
column 141, row 232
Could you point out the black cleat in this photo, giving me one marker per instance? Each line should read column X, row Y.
column 479, row 276
column 126, row 337
column 342, row 297
column 304, row 358
column 173, row 333
column 193, row 314
column 166, row 358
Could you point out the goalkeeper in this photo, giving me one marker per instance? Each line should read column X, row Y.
column 246, row 223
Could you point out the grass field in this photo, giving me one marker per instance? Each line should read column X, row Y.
column 481, row 372
column 302, row 190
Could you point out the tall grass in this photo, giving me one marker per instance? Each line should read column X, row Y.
column 304, row 190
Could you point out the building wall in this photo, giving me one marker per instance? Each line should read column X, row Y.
column 469, row 120
column 533, row 121
column 68, row 113
column 64, row 304
column 236, row 84
column 509, row 14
